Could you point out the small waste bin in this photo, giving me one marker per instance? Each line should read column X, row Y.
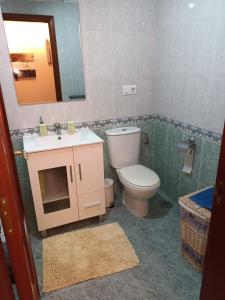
column 109, row 193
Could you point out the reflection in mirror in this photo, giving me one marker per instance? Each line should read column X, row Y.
column 45, row 50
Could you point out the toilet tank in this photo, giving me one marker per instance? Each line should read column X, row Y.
column 123, row 146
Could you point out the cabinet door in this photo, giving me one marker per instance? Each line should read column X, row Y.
column 89, row 168
column 53, row 185
column 89, row 171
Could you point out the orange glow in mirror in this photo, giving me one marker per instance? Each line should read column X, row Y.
column 30, row 53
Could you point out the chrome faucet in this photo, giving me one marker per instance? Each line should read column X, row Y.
column 58, row 128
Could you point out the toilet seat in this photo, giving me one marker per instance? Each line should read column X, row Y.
column 139, row 177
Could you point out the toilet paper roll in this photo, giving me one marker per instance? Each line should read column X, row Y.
column 188, row 161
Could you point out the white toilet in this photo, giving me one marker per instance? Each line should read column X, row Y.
column 139, row 182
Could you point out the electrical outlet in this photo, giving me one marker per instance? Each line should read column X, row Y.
column 129, row 90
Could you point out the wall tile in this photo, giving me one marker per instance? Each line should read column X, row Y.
column 76, row 111
column 165, row 39
column 166, row 14
column 162, row 95
column 124, row 15
column 145, row 95
column 160, row 151
column 99, row 54
column 146, row 16
column 161, row 132
column 97, row 15
column 189, row 45
column 216, row 105
column 101, row 98
column 124, row 106
column 51, row 114
column 146, row 47
column 184, row 22
column 208, row 10
column 173, row 41
column 202, row 50
column 172, row 182
column 168, row 165
column 147, row 150
column 173, row 156
column 164, row 56
column 219, row 63
column 124, row 55
column 178, row 97
column 209, row 164
column 204, row 31
column 198, row 95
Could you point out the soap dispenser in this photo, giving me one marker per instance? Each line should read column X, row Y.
column 71, row 129
column 43, row 129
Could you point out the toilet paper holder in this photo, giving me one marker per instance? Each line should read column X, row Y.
column 187, row 148
column 187, row 145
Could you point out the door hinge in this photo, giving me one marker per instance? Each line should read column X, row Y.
column 21, row 153
column 6, row 216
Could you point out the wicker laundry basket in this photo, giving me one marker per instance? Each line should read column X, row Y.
column 194, row 225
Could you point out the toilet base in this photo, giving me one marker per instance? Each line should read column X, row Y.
column 138, row 207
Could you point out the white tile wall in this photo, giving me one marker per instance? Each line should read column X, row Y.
column 191, row 62
column 111, row 59
column 175, row 55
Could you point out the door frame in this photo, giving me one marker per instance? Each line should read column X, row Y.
column 6, row 290
column 13, row 217
column 51, row 26
column 213, row 280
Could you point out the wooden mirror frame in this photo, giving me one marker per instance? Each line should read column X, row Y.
column 51, row 27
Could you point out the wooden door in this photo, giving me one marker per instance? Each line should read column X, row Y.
column 53, row 185
column 13, row 218
column 89, row 170
column 6, row 290
column 213, row 282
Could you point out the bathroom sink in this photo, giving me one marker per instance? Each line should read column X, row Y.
column 36, row 143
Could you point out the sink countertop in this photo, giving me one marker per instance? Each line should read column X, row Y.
column 36, row 143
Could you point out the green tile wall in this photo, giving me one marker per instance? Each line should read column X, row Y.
column 25, row 187
column 160, row 155
column 168, row 161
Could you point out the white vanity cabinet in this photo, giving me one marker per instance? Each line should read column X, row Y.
column 67, row 184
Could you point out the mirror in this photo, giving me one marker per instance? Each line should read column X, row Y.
column 45, row 50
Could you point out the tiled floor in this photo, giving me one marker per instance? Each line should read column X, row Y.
column 162, row 274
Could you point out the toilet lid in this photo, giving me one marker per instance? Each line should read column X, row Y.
column 139, row 176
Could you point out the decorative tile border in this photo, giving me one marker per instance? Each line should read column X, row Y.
column 92, row 124
column 213, row 136
column 20, row 132
column 145, row 118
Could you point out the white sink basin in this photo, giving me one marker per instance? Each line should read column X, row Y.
column 36, row 143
